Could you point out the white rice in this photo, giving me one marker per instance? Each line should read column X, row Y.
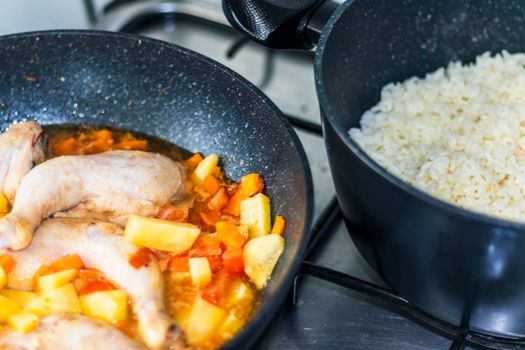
column 458, row 134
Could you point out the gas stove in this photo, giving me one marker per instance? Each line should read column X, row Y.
column 332, row 303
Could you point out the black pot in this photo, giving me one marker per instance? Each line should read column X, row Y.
column 463, row 267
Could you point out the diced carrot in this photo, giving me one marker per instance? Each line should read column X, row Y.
column 210, row 217
column 97, row 286
column 7, row 262
column 193, row 161
column 278, row 225
column 234, row 205
column 85, row 277
column 205, row 246
column 103, row 135
column 216, row 289
column 179, row 264
column 67, row 262
column 171, row 212
column 229, row 234
column 233, row 260
column 231, row 189
column 128, row 141
column 219, row 200
column 251, row 184
column 140, row 258
column 217, row 171
column 215, row 262
column 64, row 147
column 211, row 184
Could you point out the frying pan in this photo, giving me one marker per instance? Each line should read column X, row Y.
column 160, row 89
column 462, row 267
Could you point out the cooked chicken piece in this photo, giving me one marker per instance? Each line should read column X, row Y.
column 20, row 148
column 107, row 186
column 101, row 246
column 69, row 332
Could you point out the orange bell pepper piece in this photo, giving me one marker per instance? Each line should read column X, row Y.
column 215, row 262
column 206, row 246
column 96, row 286
column 229, row 234
column 211, row 184
column 67, row 262
column 140, row 258
column 215, row 290
column 234, row 205
column 233, row 260
column 278, row 225
column 179, row 263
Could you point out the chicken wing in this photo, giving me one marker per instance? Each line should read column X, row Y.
column 21, row 146
column 107, row 186
column 101, row 246
column 69, row 332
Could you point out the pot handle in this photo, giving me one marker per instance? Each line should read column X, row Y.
column 280, row 24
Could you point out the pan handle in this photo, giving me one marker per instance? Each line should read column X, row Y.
column 280, row 24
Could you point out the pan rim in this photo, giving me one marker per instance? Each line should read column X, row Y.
column 269, row 309
column 334, row 120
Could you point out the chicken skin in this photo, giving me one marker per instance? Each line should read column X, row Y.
column 101, row 246
column 107, row 186
column 20, row 148
column 69, row 332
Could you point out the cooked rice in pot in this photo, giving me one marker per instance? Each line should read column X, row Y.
column 458, row 134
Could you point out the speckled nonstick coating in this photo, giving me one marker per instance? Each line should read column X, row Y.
column 146, row 85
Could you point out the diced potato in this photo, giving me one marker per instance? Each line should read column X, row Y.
column 23, row 322
column 159, row 234
column 200, row 271
column 255, row 213
column 3, row 277
column 110, row 306
column 204, row 321
column 230, row 326
column 20, row 297
column 60, row 300
column 205, row 168
column 260, row 257
column 55, row 280
column 7, row 308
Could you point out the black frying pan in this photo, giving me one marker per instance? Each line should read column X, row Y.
column 160, row 89
column 462, row 267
